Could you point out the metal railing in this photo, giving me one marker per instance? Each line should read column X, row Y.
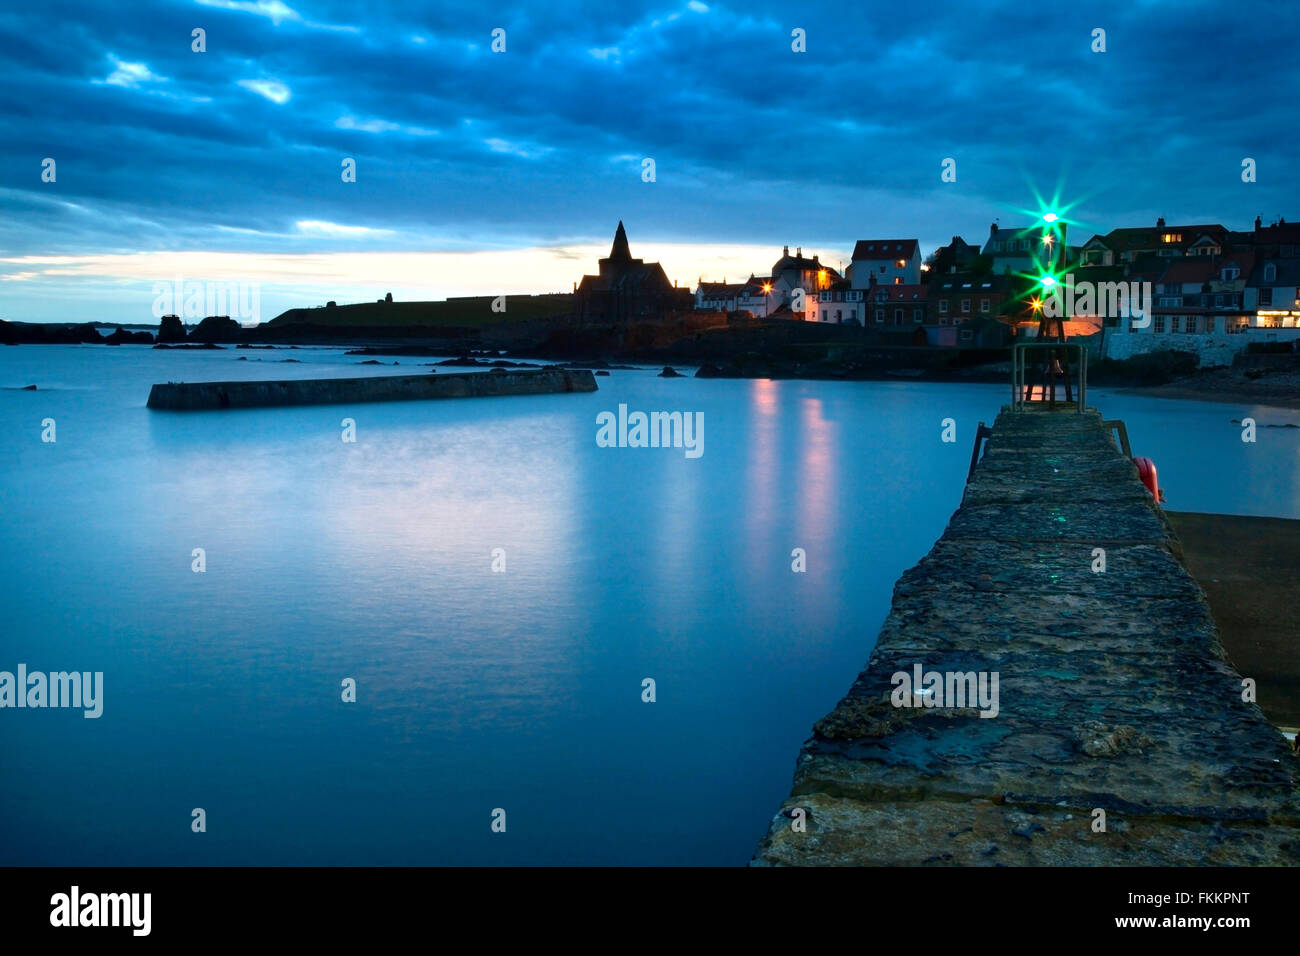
column 1022, row 390
column 1121, row 432
column 982, row 435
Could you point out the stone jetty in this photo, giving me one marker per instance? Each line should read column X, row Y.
column 1119, row 734
column 202, row 396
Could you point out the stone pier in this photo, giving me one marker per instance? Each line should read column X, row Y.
column 1115, row 701
column 207, row 396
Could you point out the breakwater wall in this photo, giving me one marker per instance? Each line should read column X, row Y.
column 1116, row 732
column 202, row 396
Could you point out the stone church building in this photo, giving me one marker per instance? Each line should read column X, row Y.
column 627, row 289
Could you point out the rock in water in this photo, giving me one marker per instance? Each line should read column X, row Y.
column 670, row 372
column 216, row 328
column 121, row 336
column 171, row 329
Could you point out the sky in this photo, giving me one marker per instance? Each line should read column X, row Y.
column 482, row 172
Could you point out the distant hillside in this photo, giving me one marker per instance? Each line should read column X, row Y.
column 465, row 312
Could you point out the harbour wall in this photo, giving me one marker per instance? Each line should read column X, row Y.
column 203, row 396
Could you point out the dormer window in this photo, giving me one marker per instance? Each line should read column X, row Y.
column 1171, row 237
column 1270, row 272
column 1230, row 272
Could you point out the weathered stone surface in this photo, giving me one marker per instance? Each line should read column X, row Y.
column 1114, row 693
column 203, row 396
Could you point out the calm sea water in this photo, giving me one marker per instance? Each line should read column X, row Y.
column 476, row 690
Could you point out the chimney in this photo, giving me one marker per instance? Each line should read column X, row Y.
column 1160, row 223
column 799, row 253
column 993, row 229
column 785, row 251
column 1258, row 223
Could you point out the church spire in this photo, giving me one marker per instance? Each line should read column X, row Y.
column 620, row 252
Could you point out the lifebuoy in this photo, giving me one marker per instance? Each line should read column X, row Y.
column 1147, row 472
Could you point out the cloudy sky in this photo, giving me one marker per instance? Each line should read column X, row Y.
column 480, row 172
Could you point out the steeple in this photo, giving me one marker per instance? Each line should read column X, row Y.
column 619, row 252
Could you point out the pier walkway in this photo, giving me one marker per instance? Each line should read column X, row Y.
column 1114, row 700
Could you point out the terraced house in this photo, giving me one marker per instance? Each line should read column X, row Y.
column 1215, row 290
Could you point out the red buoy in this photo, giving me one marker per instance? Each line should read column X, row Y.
column 1147, row 472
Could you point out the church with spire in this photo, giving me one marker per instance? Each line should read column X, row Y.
column 627, row 288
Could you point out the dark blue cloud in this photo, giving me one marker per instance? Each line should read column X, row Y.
column 460, row 147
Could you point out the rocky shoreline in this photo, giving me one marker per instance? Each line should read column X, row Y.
column 770, row 350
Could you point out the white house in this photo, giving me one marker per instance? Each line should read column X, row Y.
column 717, row 296
column 885, row 262
column 841, row 304
column 758, row 295
column 1272, row 295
